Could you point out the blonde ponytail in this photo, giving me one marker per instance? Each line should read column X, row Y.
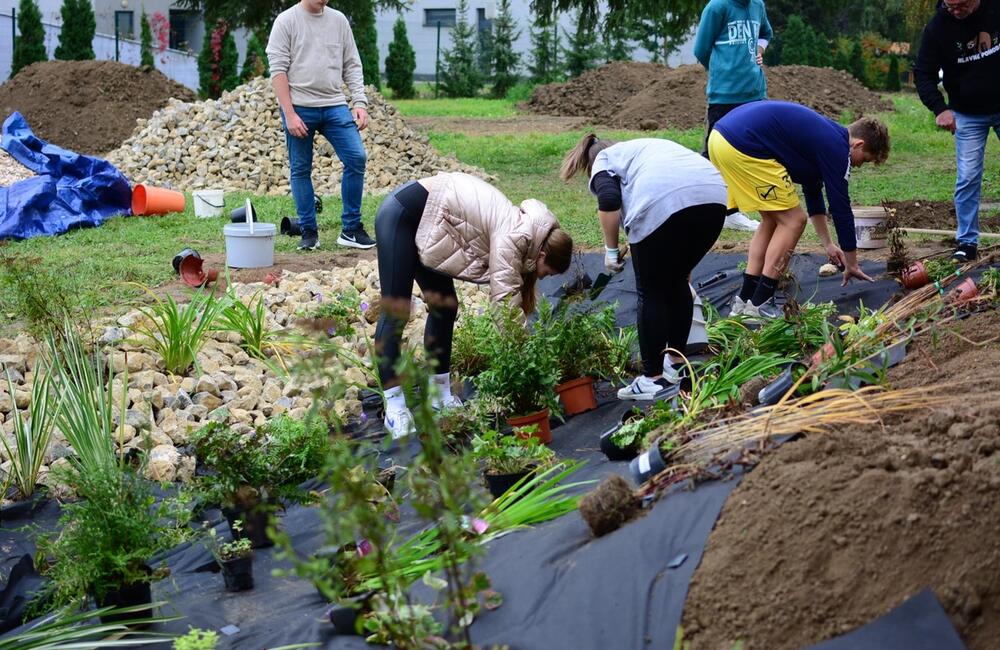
column 581, row 157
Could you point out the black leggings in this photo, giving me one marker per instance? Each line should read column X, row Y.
column 663, row 261
column 398, row 266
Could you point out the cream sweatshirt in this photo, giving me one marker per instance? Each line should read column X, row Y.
column 319, row 55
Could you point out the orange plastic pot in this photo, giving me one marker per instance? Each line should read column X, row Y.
column 155, row 200
column 544, row 433
column 915, row 276
column 577, row 395
column 965, row 291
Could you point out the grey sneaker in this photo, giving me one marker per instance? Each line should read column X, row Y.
column 737, row 306
column 309, row 242
column 767, row 311
column 399, row 423
column 356, row 239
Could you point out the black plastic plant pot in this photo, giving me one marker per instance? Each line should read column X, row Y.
column 613, row 451
column 137, row 593
column 344, row 616
column 238, row 573
column 773, row 392
column 181, row 256
column 647, row 464
column 498, row 484
column 290, row 226
column 254, row 525
column 239, row 215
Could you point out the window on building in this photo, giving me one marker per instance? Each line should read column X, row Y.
column 124, row 27
column 182, row 23
column 485, row 24
column 434, row 16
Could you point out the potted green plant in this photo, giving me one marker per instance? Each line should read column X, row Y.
column 235, row 558
column 521, row 376
column 250, row 474
column 581, row 338
column 508, row 459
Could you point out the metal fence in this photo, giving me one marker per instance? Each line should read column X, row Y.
column 177, row 65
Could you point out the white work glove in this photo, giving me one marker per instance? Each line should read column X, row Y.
column 611, row 260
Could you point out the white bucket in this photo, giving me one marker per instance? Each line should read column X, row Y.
column 208, row 203
column 250, row 246
column 869, row 227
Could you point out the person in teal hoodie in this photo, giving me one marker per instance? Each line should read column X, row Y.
column 730, row 43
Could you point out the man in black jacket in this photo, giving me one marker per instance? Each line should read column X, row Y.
column 963, row 41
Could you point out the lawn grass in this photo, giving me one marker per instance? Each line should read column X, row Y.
column 97, row 263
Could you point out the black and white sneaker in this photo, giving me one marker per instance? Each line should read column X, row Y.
column 965, row 253
column 644, row 388
column 765, row 312
column 309, row 242
column 356, row 239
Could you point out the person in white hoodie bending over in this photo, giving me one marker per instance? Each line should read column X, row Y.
column 671, row 203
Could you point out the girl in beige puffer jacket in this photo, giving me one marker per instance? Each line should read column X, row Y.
column 454, row 226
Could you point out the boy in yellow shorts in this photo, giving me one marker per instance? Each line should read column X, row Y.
column 762, row 150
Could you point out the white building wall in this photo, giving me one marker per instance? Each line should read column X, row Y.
column 423, row 37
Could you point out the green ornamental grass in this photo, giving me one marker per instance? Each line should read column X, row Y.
column 31, row 437
column 178, row 332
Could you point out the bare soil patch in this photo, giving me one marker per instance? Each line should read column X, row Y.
column 87, row 106
column 652, row 96
column 835, row 530
column 940, row 215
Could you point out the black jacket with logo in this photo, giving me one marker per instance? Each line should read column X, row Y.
column 968, row 50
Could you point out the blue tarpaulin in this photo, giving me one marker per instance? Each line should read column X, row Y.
column 69, row 191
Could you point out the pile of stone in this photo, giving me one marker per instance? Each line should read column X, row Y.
column 237, row 143
column 228, row 386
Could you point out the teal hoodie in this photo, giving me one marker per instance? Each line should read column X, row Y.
column 726, row 44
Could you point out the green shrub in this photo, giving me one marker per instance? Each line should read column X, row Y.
column 197, row 640
column 37, row 294
column 400, row 63
column 892, row 76
column 255, row 63
column 76, row 37
column 505, row 58
column 460, row 72
column 217, row 62
column 145, row 41
column 30, row 44
column 580, row 338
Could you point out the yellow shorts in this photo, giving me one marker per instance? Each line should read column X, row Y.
column 754, row 184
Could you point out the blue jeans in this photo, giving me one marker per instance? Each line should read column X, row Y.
column 337, row 125
column 971, row 133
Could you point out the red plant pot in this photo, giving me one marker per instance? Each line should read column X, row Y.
column 544, row 433
column 577, row 395
column 915, row 276
column 964, row 291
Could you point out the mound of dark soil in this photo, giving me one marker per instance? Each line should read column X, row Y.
column 939, row 215
column 835, row 530
column 653, row 96
column 87, row 106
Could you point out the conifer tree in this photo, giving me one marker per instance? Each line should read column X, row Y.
column 400, row 63
column 255, row 62
column 460, row 73
column 76, row 37
column 30, row 44
column 361, row 14
column 544, row 66
column 858, row 63
column 584, row 49
column 146, row 42
column 798, row 42
column 506, row 59
column 617, row 37
column 892, row 76
column 217, row 62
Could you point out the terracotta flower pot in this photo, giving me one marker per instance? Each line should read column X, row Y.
column 577, row 395
column 915, row 276
column 822, row 354
column 964, row 291
column 540, row 418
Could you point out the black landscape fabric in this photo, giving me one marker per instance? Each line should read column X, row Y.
column 561, row 587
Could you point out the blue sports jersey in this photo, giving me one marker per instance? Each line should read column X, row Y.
column 814, row 149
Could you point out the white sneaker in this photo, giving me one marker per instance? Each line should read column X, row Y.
column 767, row 311
column 644, row 388
column 739, row 221
column 399, row 423
column 450, row 402
column 737, row 306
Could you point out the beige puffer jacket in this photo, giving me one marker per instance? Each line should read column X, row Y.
column 471, row 231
